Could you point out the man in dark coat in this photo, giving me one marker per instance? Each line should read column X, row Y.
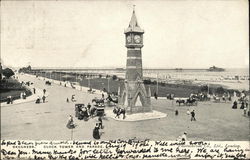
column 155, row 95
column 88, row 106
column 176, row 112
column 44, row 91
column 242, row 105
column 43, row 98
column 193, row 116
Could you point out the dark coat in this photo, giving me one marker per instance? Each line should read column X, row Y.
column 96, row 133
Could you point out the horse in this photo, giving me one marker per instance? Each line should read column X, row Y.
column 119, row 111
column 180, row 101
column 115, row 100
column 191, row 102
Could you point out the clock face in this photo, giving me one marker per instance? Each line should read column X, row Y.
column 137, row 39
column 129, row 39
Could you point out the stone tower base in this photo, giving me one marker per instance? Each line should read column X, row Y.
column 134, row 98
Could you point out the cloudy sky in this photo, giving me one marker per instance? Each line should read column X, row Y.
column 182, row 33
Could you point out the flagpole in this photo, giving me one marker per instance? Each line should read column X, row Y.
column 72, row 134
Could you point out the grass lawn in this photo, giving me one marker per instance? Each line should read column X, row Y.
column 180, row 90
column 11, row 87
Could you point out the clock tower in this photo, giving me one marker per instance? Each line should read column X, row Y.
column 134, row 97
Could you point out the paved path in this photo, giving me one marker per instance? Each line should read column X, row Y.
column 47, row 121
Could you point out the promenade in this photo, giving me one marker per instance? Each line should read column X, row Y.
column 47, row 121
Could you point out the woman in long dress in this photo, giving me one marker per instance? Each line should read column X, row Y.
column 96, row 133
column 70, row 124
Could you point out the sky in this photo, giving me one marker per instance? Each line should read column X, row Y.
column 178, row 34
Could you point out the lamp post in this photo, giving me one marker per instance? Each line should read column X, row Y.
column 108, row 85
column 89, row 82
column 157, row 88
column 208, row 88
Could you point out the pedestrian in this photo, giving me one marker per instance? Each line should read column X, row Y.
column 70, row 124
column 155, row 95
column 34, row 90
column 43, row 98
column 184, row 136
column 234, row 105
column 88, row 106
column 24, row 95
column 96, row 133
column 193, row 116
column 11, row 100
column 38, row 100
column 21, row 95
column 102, row 96
column 245, row 111
column 44, row 91
column 8, row 100
column 67, row 100
column 124, row 113
column 242, row 105
column 176, row 112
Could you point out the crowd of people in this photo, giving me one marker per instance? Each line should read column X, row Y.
column 86, row 112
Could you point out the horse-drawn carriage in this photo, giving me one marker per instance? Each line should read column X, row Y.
column 187, row 101
column 81, row 112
